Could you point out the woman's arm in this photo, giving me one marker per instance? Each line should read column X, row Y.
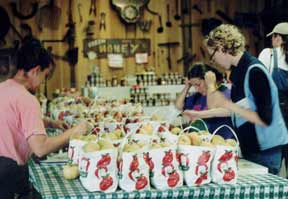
column 59, row 124
column 249, row 115
column 215, row 112
column 179, row 103
column 42, row 145
column 218, row 100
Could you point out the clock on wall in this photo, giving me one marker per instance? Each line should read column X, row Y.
column 129, row 10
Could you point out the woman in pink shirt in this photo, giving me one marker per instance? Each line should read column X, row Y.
column 22, row 129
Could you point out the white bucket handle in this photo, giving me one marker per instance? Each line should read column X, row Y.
column 220, row 127
column 204, row 123
column 125, row 140
column 187, row 128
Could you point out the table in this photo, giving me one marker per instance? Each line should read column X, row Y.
column 48, row 180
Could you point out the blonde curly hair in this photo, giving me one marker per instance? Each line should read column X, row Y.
column 228, row 37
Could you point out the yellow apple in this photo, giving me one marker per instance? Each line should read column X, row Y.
column 231, row 142
column 176, row 130
column 218, row 140
column 110, row 136
column 184, row 139
column 90, row 147
column 147, row 129
column 104, row 144
column 91, row 137
column 133, row 147
column 195, row 139
column 118, row 133
column 70, row 171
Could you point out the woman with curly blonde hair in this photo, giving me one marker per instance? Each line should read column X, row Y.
column 254, row 106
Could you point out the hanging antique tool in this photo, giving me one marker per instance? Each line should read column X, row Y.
column 90, row 29
column 149, row 10
column 21, row 16
column 92, row 8
column 177, row 16
column 71, row 55
column 144, row 25
column 102, row 21
column 130, row 11
column 6, row 25
column 79, row 5
column 169, row 45
column 168, row 22
column 49, row 16
column 160, row 28
column 185, row 7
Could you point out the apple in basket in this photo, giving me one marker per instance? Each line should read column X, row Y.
column 231, row 142
column 90, row 147
column 105, row 145
column 132, row 147
column 190, row 139
column 115, row 135
column 88, row 138
column 184, row 140
column 176, row 130
column 195, row 139
column 146, row 129
column 70, row 171
column 218, row 140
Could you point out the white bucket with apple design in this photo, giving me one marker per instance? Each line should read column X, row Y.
column 225, row 162
column 165, row 172
column 98, row 170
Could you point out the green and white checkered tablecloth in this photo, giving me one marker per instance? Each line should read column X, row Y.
column 50, row 183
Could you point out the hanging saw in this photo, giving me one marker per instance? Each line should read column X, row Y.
column 19, row 15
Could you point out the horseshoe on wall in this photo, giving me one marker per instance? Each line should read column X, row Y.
column 20, row 15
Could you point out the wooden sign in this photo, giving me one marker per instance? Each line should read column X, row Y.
column 126, row 47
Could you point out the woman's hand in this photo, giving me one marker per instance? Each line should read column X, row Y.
column 80, row 128
column 187, row 83
column 59, row 124
column 210, row 80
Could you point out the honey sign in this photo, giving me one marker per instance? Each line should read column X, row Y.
column 126, row 47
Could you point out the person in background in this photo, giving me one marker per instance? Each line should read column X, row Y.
column 22, row 129
column 195, row 105
column 254, row 105
column 279, row 51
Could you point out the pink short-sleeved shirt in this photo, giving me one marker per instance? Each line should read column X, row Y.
column 20, row 118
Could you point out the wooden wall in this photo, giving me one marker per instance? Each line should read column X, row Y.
column 115, row 28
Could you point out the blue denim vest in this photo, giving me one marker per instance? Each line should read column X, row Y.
column 276, row 133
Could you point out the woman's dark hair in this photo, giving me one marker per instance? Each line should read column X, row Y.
column 32, row 54
column 285, row 46
column 198, row 71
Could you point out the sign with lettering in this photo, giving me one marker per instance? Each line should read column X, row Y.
column 126, row 47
